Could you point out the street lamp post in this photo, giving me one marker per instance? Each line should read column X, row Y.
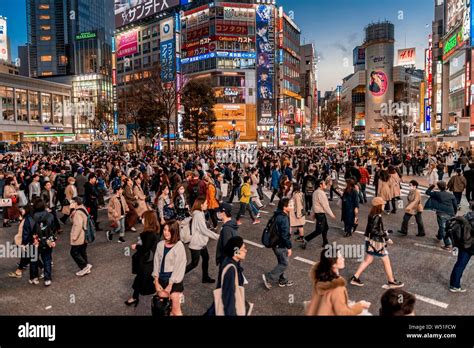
column 234, row 134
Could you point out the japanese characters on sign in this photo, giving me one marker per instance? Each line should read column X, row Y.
column 167, row 50
column 127, row 43
column 127, row 12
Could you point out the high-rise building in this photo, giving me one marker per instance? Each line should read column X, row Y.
column 309, row 88
column 70, row 41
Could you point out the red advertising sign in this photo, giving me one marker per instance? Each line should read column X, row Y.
column 196, row 51
column 231, row 29
column 127, row 44
column 197, row 33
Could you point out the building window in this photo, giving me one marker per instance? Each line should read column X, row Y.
column 43, row 7
column 46, row 107
column 44, row 17
column 21, row 105
column 45, row 38
column 6, row 95
column 34, row 106
column 47, row 73
column 45, row 27
column 57, row 109
column 46, row 58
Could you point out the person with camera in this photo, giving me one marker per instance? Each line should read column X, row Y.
column 169, row 267
column 376, row 240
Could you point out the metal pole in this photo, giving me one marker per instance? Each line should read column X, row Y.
column 278, row 123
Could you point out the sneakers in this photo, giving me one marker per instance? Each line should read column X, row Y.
column 84, row 271
column 133, row 229
column 447, row 248
column 282, row 284
column 47, row 283
column 271, row 203
column 258, row 216
column 266, row 282
column 456, row 290
column 356, row 281
column 121, row 240
column 109, row 236
column 395, row 284
column 256, row 222
column 34, row 281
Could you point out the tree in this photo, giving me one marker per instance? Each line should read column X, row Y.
column 102, row 117
column 162, row 99
column 199, row 120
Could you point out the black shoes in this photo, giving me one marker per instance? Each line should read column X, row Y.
column 208, row 280
column 356, row 281
column 134, row 302
column 404, row 233
column 421, row 235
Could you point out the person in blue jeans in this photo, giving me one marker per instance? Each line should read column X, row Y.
column 464, row 256
column 282, row 250
column 445, row 205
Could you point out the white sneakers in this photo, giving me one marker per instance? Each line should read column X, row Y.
column 84, row 271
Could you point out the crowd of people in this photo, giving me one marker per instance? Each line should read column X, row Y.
column 181, row 198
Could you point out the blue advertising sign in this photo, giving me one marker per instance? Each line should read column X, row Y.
column 427, row 116
column 472, row 22
column 244, row 55
column 167, row 54
column 115, row 122
column 265, row 41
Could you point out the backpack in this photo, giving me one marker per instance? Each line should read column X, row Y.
column 90, row 231
column 458, row 229
column 44, row 233
column 270, row 236
column 310, row 185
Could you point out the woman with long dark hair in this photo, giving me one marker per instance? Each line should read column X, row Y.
column 180, row 202
column 376, row 240
column 329, row 288
column 350, row 208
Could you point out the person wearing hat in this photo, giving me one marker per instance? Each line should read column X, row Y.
column 376, row 240
column 233, row 300
column 228, row 231
column 78, row 252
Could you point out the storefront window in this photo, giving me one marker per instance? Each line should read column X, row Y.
column 57, row 109
column 21, row 105
column 6, row 95
column 34, row 106
column 46, row 107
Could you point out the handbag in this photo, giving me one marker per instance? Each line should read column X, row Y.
column 160, row 306
column 168, row 213
column 185, row 230
column 22, row 200
column 239, row 295
column 5, row 202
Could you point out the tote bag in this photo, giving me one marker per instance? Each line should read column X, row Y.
column 239, row 295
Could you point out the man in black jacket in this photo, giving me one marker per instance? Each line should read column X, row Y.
column 469, row 175
column 309, row 186
column 283, row 248
column 91, row 199
column 229, row 230
column 236, row 182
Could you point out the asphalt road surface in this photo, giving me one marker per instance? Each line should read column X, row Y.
column 418, row 262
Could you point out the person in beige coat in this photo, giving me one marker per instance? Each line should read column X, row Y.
column 385, row 190
column 140, row 197
column 116, row 212
column 329, row 288
column 414, row 208
column 70, row 192
column 297, row 213
column 79, row 216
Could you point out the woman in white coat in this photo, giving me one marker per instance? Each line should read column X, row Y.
column 199, row 239
column 432, row 175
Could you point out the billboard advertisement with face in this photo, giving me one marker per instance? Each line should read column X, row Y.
column 265, row 31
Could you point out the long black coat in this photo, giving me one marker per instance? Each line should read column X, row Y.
column 142, row 263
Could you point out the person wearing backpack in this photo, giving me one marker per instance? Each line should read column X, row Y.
column 79, row 218
column 376, row 240
column 282, row 248
column 196, row 188
column 44, row 240
column 465, row 252
column 445, row 205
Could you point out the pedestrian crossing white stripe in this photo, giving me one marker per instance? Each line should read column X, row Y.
column 359, row 232
column 309, row 262
column 370, row 189
column 426, row 246
column 254, row 244
column 431, row 301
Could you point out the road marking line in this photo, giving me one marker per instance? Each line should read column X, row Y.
column 359, row 232
column 254, row 244
column 310, row 221
column 265, row 212
column 431, row 301
column 427, row 246
column 309, row 262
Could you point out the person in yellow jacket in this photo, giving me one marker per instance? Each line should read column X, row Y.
column 244, row 202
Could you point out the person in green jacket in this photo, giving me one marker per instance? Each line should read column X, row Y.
column 245, row 201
